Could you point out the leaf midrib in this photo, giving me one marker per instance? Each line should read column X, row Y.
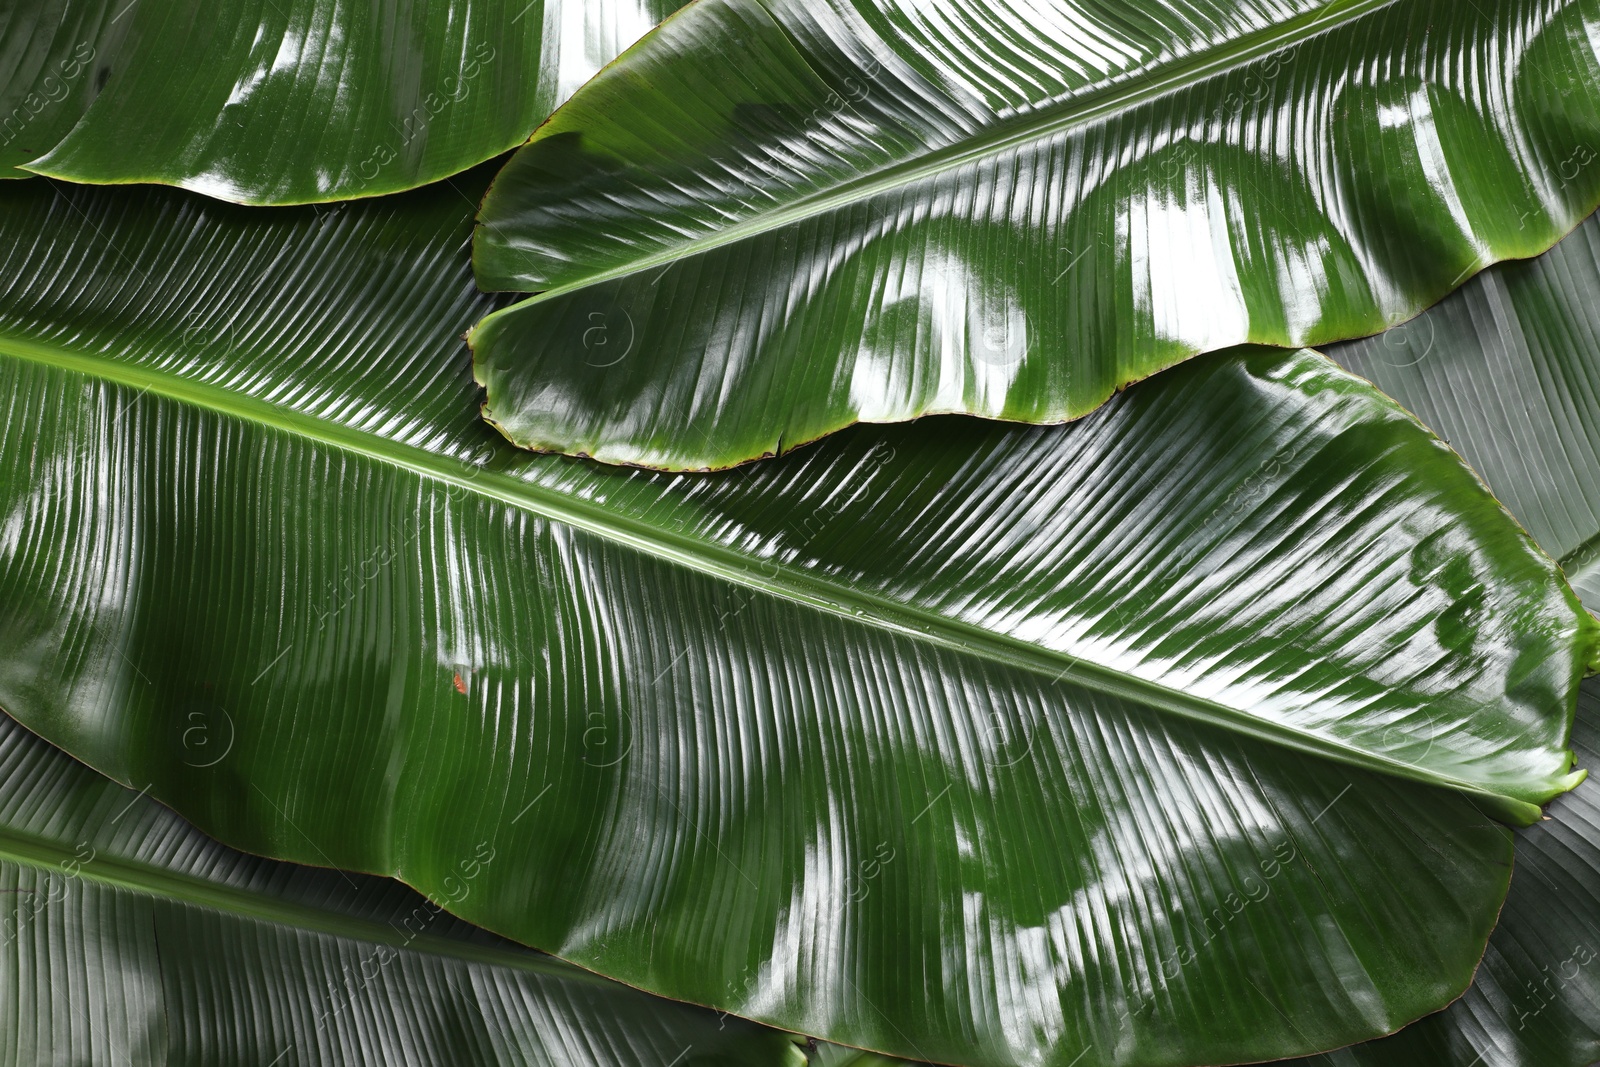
column 120, row 872
column 1132, row 91
column 716, row 561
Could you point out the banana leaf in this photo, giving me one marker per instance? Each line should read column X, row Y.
column 1164, row 738
column 1536, row 999
column 1507, row 369
column 129, row 938
column 774, row 218
column 291, row 101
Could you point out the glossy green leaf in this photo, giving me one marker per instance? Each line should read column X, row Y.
column 964, row 743
column 1508, row 371
column 1536, row 999
column 128, row 938
column 291, row 101
column 774, row 218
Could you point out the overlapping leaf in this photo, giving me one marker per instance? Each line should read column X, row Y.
column 1536, row 999
column 1508, row 370
column 1107, row 743
column 792, row 215
column 291, row 101
column 127, row 937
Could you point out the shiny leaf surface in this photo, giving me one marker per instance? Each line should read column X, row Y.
column 129, row 938
column 291, row 101
column 774, row 218
column 964, row 743
column 1536, row 999
column 1508, row 371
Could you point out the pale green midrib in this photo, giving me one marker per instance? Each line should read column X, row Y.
column 773, row 579
column 118, row 872
column 1133, row 92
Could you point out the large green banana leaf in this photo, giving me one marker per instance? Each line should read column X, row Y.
column 1508, row 371
column 773, row 218
column 128, row 938
column 291, row 101
column 1152, row 740
column 1536, row 999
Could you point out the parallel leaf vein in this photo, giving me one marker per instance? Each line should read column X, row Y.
column 1132, row 92
column 765, row 576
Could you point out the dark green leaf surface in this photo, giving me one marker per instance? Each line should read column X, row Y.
column 793, row 215
column 55, row 57
column 1508, row 371
column 1536, row 999
column 291, row 101
column 963, row 743
column 128, row 938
